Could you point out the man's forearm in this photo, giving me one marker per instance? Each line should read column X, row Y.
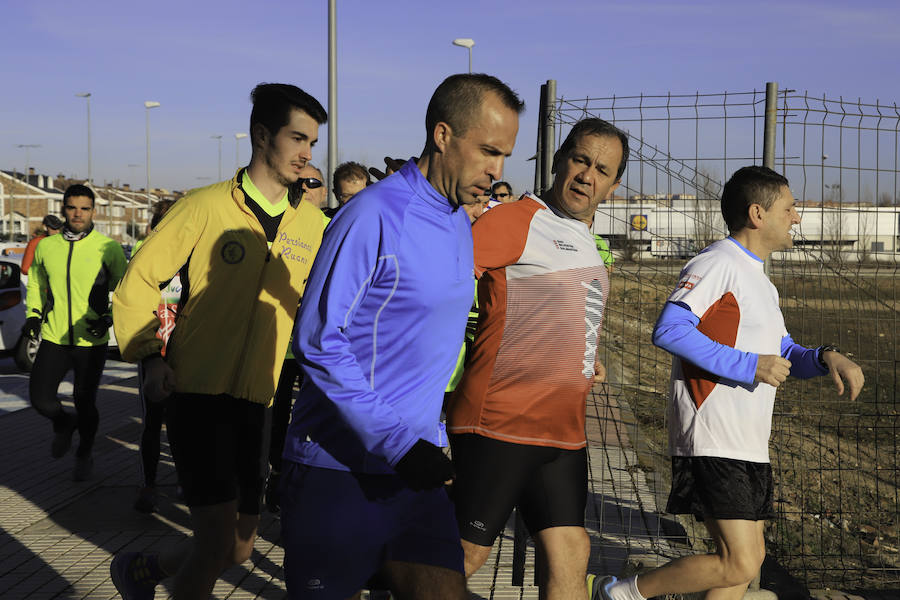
column 676, row 332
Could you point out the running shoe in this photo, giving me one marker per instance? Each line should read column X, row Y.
column 597, row 587
column 84, row 466
column 131, row 576
column 62, row 440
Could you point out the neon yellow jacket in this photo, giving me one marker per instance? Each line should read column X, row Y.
column 69, row 284
column 238, row 300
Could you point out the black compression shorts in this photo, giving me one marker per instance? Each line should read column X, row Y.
column 547, row 485
column 220, row 445
column 721, row 488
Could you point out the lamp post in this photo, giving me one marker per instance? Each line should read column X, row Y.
column 219, row 138
column 466, row 43
column 87, row 96
column 148, row 105
column 133, row 232
column 237, row 138
column 28, row 148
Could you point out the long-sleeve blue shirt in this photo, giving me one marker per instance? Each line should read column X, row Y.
column 676, row 332
column 379, row 328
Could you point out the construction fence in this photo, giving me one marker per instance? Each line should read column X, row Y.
column 835, row 462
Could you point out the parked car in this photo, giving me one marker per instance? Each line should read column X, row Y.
column 8, row 249
column 12, row 313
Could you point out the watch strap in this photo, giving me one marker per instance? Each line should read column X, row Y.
column 821, row 352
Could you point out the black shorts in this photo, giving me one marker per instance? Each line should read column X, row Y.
column 547, row 485
column 721, row 488
column 220, row 445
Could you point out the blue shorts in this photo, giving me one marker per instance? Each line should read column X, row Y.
column 338, row 528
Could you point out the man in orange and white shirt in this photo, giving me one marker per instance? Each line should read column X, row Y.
column 517, row 417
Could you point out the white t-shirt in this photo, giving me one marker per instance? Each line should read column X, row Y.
column 726, row 288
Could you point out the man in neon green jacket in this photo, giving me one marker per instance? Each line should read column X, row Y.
column 68, row 303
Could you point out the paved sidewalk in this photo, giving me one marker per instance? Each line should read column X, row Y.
column 58, row 536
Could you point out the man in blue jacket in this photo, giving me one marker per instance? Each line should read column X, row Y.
column 383, row 315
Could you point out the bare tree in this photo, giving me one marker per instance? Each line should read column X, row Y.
column 831, row 242
column 708, row 223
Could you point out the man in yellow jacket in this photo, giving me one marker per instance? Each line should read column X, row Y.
column 68, row 304
column 244, row 248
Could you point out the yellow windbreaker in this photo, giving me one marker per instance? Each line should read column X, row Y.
column 239, row 298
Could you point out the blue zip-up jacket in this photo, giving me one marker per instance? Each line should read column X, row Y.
column 380, row 325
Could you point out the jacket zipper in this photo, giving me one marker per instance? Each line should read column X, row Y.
column 262, row 277
column 69, row 292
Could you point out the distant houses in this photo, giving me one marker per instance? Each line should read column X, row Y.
column 121, row 213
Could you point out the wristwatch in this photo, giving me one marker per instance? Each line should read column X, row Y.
column 823, row 350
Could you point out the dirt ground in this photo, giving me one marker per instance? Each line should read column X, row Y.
column 835, row 462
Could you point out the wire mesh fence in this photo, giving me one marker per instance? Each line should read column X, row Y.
column 835, row 462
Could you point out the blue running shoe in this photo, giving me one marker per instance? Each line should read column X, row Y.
column 131, row 575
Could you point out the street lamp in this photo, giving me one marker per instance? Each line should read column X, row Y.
column 237, row 138
column 87, row 96
column 148, row 105
column 219, row 138
column 132, row 167
column 28, row 148
column 465, row 43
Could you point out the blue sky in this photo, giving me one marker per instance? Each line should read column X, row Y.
column 200, row 59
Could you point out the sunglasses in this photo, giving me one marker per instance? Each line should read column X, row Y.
column 310, row 182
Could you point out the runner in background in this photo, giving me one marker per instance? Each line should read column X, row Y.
column 313, row 192
column 154, row 412
column 68, row 304
column 604, row 251
column 474, row 211
column 53, row 225
column 501, row 193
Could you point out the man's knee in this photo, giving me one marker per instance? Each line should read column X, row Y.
column 475, row 556
column 741, row 567
column 412, row 581
column 214, row 529
column 564, row 547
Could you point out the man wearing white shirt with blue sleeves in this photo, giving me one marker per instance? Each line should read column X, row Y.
column 731, row 350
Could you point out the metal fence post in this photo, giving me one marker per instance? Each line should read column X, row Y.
column 538, row 161
column 771, row 124
column 548, row 136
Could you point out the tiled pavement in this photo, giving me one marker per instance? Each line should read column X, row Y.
column 58, row 536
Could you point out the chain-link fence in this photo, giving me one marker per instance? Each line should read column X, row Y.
column 835, row 462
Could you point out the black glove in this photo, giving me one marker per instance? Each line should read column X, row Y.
column 99, row 326
column 425, row 467
column 32, row 327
